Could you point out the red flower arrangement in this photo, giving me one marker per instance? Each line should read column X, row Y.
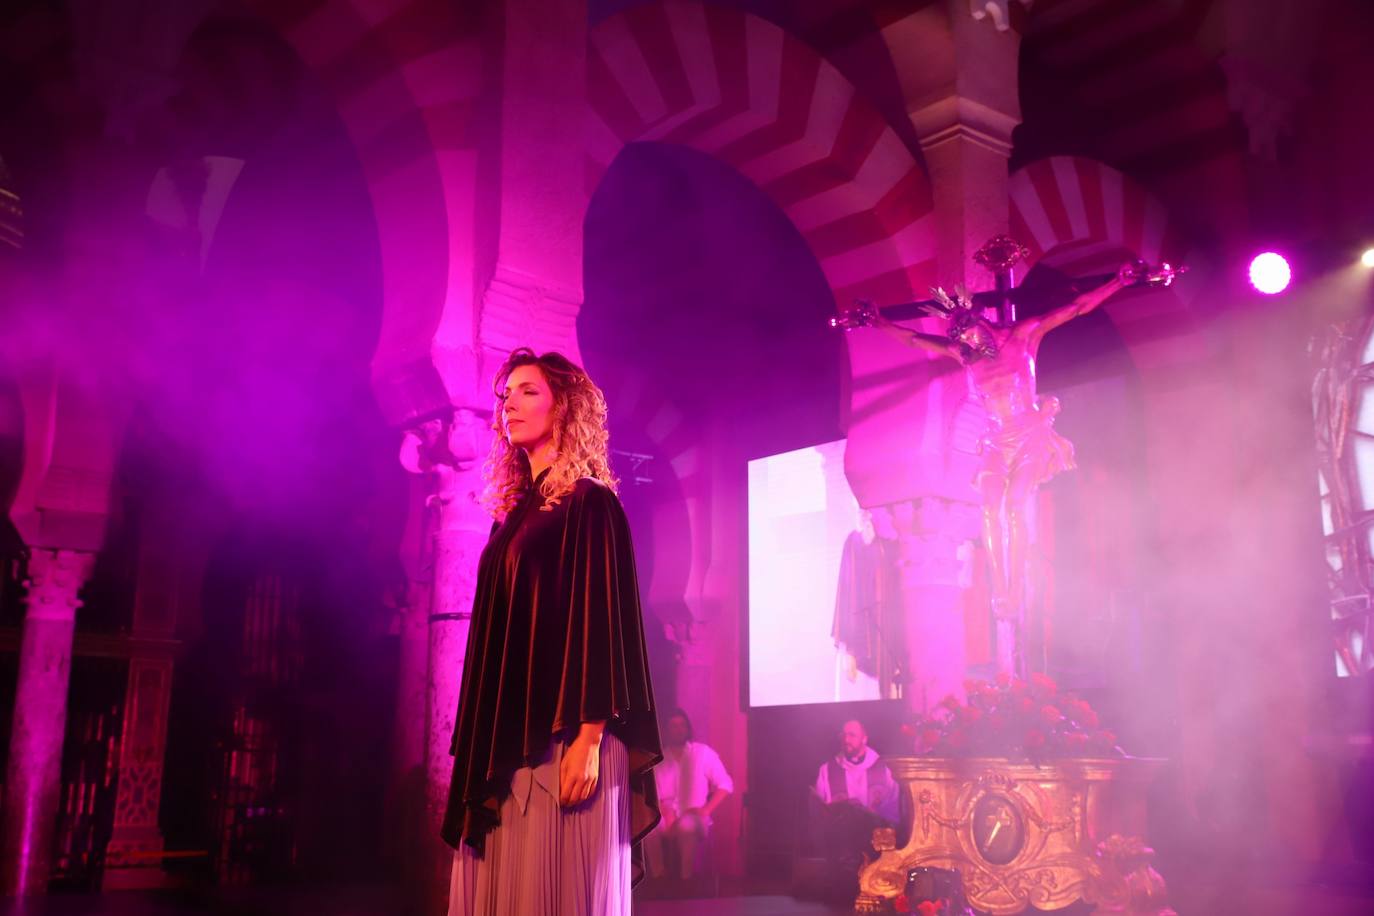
column 1016, row 719
column 903, row 904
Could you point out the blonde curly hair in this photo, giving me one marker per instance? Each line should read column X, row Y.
column 580, row 439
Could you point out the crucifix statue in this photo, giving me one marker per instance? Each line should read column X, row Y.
column 1020, row 448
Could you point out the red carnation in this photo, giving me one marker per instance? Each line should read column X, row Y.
column 901, row 904
column 930, row 737
column 1034, row 739
column 958, row 738
column 1075, row 741
column 1051, row 714
column 1025, row 704
column 1044, row 684
column 1003, row 679
column 931, row 907
column 972, row 714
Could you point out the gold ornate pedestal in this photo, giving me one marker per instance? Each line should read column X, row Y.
column 1021, row 834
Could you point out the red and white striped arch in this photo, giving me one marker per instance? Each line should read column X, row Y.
column 405, row 76
column 1070, row 206
column 739, row 88
column 1082, row 217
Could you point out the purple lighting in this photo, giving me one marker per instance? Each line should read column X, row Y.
column 1270, row 273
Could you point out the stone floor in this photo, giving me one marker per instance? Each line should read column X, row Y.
column 357, row 902
column 1259, row 897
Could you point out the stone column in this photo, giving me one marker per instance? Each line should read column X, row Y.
column 449, row 453
column 136, row 842
column 959, row 80
column 458, row 542
column 33, row 780
column 535, row 290
column 407, row 826
column 526, row 242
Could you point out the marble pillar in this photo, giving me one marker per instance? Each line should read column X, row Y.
column 535, row 290
column 959, row 79
column 33, row 779
column 136, row 842
column 407, row 824
column 448, row 456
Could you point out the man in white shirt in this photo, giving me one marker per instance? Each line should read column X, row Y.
column 692, row 783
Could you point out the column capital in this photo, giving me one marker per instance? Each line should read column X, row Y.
column 952, row 69
column 956, row 117
column 55, row 577
column 458, row 442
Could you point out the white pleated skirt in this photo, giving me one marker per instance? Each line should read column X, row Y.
column 545, row 860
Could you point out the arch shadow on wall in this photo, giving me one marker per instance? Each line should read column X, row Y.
column 705, row 322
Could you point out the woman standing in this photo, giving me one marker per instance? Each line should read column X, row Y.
column 555, row 734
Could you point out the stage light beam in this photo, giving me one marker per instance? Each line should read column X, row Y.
column 1367, row 259
column 1270, row 273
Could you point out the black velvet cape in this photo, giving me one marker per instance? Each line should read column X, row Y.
column 557, row 639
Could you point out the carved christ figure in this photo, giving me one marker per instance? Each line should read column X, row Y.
column 1020, row 448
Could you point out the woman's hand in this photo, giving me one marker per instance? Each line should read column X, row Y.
column 581, row 766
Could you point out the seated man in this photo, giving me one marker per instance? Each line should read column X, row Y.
column 692, row 783
column 856, row 794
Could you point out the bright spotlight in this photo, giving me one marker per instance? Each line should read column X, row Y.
column 1367, row 259
column 1270, row 273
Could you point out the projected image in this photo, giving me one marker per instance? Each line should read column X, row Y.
column 825, row 621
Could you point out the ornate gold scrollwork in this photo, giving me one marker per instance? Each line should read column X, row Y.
column 1126, row 881
column 996, row 780
column 1034, row 844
